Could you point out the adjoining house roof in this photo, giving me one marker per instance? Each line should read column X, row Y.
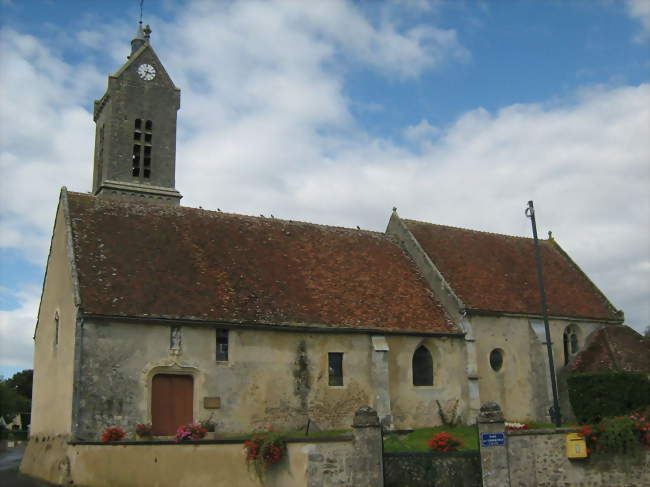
column 148, row 260
column 613, row 348
column 497, row 273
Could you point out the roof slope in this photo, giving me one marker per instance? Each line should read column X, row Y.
column 614, row 348
column 497, row 273
column 148, row 260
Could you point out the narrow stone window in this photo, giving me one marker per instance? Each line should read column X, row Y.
column 222, row 345
column 335, row 368
column 496, row 359
column 141, row 159
column 56, row 328
column 422, row 367
column 574, row 343
column 570, row 342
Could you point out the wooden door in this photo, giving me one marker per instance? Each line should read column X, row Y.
column 171, row 402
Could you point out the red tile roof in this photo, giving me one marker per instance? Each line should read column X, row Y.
column 148, row 260
column 614, row 347
column 497, row 273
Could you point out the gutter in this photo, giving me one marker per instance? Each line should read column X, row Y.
column 486, row 312
column 249, row 325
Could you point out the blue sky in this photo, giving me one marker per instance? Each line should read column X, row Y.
column 456, row 112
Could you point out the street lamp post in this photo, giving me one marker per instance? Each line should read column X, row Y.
column 554, row 411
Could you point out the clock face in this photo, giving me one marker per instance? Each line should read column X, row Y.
column 147, row 72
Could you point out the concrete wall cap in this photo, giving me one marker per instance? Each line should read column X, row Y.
column 365, row 417
column 490, row 413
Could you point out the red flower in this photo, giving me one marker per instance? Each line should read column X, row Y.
column 113, row 433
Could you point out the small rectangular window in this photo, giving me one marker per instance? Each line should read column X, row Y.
column 56, row 328
column 148, row 125
column 138, row 123
column 147, row 138
column 335, row 367
column 136, row 171
column 136, row 135
column 222, row 345
column 147, row 151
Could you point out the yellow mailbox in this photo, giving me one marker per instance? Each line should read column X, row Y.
column 576, row 447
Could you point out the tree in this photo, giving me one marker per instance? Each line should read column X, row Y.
column 21, row 382
column 12, row 403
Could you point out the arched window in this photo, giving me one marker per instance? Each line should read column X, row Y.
column 570, row 342
column 422, row 367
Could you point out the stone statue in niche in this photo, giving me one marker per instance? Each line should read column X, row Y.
column 175, row 340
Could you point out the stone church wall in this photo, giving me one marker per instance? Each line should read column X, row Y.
column 54, row 349
column 271, row 377
column 522, row 384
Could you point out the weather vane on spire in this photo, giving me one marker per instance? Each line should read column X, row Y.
column 141, row 5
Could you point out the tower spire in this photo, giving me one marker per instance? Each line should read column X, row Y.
column 140, row 38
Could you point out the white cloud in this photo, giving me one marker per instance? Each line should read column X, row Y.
column 17, row 329
column 421, row 132
column 266, row 127
column 640, row 10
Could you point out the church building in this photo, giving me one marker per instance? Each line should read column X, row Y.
column 153, row 312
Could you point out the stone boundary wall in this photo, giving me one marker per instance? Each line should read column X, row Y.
column 538, row 458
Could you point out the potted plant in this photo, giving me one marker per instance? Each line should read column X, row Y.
column 210, row 427
column 190, row 432
column 144, row 432
column 112, row 434
column 264, row 450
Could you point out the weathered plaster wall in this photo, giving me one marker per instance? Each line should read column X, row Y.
column 416, row 406
column 54, row 359
column 522, row 385
column 271, row 378
column 538, row 459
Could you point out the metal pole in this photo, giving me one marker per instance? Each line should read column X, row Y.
column 554, row 411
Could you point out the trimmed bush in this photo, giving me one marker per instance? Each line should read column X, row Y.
column 596, row 395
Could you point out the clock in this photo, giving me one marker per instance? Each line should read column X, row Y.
column 147, row 72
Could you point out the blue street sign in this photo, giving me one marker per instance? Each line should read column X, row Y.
column 493, row 439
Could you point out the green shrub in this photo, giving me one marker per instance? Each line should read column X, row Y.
column 624, row 435
column 596, row 395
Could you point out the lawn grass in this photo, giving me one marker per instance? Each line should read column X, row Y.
column 287, row 434
column 539, row 426
column 416, row 441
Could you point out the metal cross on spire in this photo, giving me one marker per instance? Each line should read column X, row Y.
column 141, row 6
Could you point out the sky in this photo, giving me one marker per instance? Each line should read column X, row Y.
column 334, row 111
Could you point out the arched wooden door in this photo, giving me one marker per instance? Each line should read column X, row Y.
column 171, row 402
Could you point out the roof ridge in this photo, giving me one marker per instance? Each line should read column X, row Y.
column 236, row 215
column 496, row 234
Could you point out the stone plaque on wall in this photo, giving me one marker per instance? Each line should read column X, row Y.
column 211, row 402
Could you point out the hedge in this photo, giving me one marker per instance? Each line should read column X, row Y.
column 596, row 395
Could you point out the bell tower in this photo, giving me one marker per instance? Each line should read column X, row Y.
column 135, row 136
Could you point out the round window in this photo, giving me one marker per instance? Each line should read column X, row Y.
column 496, row 359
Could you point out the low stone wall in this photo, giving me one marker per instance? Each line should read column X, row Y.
column 448, row 469
column 169, row 464
column 538, row 458
column 310, row 462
